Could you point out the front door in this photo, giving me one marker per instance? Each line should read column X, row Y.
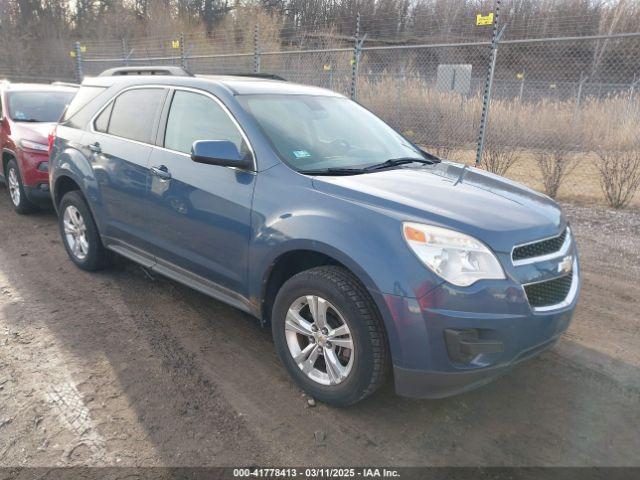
column 200, row 214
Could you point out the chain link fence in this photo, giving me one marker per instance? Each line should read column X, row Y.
column 563, row 113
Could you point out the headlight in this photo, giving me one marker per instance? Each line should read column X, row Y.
column 41, row 147
column 458, row 258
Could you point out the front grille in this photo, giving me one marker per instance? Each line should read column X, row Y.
column 552, row 292
column 538, row 249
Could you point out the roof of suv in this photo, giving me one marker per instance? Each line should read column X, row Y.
column 237, row 85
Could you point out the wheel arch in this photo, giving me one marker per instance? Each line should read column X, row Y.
column 63, row 185
column 7, row 156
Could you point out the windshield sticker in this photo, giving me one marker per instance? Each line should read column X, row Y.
column 301, row 154
column 20, row 115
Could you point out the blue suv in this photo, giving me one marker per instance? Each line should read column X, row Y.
column 367, row 255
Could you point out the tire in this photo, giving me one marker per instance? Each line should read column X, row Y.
column 363, row 367
column 21, row 204
column 80, row 234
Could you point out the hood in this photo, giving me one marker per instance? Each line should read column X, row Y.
column 493, row 209
column 36, row 132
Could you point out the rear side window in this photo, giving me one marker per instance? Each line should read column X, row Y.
column 134, row 114
column 196, row 117
column 102, row 122
column 82, row 97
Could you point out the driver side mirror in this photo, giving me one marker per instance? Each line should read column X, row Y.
column 219, row 152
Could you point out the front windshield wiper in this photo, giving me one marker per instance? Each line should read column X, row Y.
column 394, row 162
column 28, row 120
column 334, row 171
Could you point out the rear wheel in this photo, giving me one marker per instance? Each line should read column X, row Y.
column 328, row 334
column 80, row 233
column 21, row 204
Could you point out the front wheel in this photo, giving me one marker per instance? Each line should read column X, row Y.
column 329, row 335
column 21, row 204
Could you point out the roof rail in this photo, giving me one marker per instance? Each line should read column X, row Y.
column 162, row 70
column 268, row 76
column 65, row 84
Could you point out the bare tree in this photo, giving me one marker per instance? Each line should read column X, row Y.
column 555, row 166
column 498, row 158
column 619, row 176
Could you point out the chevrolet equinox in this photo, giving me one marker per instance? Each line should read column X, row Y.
column 367, row 255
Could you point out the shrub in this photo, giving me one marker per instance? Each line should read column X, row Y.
column 498, row 158
column 554, row 167
column 619, row 176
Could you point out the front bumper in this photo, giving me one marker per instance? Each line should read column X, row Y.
column 39, row 194
column 35, row 176
column 433, row 384
column 453, row 340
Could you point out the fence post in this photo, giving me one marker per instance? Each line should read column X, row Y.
column 580, row 85
column 400, row 82
column 524, row 78
column 79, row 74
column 256, row 49
column 355, row 60
column 183, row 59
column 486, row 100
column 125, row 57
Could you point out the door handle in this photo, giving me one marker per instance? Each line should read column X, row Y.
column 161, row 172
column 95, row 147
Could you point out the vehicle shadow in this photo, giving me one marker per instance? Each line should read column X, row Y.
column 172, row 377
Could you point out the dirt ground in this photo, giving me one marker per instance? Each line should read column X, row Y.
column 119, row 368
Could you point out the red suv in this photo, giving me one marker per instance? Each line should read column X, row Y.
column 28, row 113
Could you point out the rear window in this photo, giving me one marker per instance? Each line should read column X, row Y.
column 135, row 112
column 82, row 97
column 29, row 106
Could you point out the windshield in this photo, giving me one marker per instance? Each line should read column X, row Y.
column 315, row 132
column 38, row 106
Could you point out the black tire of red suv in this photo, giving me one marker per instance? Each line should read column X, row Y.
column 97, row 257
column 21, row 204
column 371, row 358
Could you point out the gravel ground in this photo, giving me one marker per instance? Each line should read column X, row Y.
column 119, row 368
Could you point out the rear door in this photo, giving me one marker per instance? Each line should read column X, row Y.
column 200, row 214
column 121, row 143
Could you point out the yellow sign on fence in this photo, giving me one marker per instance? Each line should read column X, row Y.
column 175, row 43
column 83, row 49
column 484, row 19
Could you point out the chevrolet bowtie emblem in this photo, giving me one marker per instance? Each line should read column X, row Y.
column 566, row 265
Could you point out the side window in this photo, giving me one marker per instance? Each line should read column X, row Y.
column 197, row 117
column 134, row 113
column 102, row 122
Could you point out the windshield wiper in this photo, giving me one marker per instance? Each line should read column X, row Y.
column 394, row 162
column 28, row 120
column 334, row 171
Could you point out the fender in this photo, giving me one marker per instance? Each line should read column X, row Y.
column 270, row 260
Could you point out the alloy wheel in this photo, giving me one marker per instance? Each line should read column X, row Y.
column 14, row 186
column 319, row 340
column 75, row 232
